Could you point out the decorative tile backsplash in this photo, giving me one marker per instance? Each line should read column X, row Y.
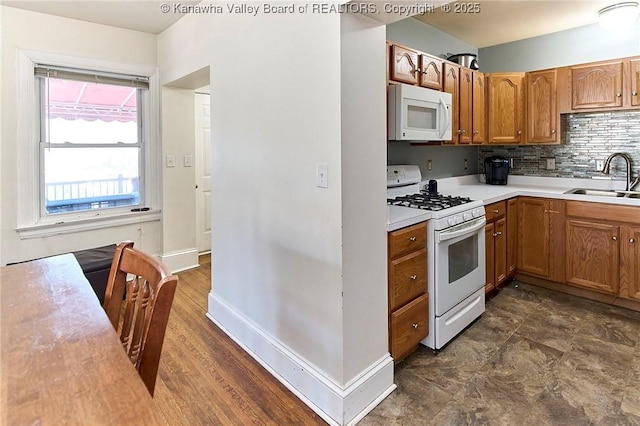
column 589, row 137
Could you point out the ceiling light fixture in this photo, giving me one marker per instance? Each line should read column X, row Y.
column 619, row 15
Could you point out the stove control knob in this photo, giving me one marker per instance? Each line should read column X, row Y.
column 451, row 221
column 458, row 219
column 466, row 216
column 475, row 213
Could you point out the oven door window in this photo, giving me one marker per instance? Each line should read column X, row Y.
column 463, row 258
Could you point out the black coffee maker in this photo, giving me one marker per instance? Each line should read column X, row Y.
column 496, row 170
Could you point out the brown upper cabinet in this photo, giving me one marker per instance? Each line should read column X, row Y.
column 606, row 85
column 468, row 92
column 404, row 65
column 479, row 119
column 596, row 86
column 431, row 71
column 635, row 81
column 412, row 67
column 506, row 108
column 518, row 108
column 451, row 84
column 543, row 119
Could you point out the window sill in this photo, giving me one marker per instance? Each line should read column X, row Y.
column 41, row 230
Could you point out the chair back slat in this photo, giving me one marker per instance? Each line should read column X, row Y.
column 139, row 309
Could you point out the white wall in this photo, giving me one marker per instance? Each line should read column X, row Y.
column 575, row 46
column 178, row 214
column 364, row 212
column 28, row 30
column 414, row 33
column 284, row 251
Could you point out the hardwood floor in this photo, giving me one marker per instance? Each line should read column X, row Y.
column 206, row 378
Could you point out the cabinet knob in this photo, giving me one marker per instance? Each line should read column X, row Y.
column 412, row 238
column 519, row 132
column 475, row 132
column 496, row 211
column 634, row 93
column 618, row 95
column 461, row 131
column 631, row 240
column 415, row 325
column 497, row 234
column 413, row 277
column 614, row 238
column 553, row 131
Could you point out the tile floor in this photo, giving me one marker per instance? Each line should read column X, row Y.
column 535, row 357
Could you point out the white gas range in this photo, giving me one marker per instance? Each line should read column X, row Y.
column 455, row 250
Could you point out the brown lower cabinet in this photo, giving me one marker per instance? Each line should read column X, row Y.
column 603, row 253
column 500, row 242
column 408, row 298
column 541, row 237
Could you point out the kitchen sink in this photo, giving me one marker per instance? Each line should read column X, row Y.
column 604, row 193
column 596, row 192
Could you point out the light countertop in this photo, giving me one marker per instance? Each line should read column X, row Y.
column 532, row 186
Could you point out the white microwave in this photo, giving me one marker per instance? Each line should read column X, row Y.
column 418, row 114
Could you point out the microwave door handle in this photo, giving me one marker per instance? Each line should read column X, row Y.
column 444, row 113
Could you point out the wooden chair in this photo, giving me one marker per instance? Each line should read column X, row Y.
column 141, row 317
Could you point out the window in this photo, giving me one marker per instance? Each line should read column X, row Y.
column 90, row 140
column 89, row 144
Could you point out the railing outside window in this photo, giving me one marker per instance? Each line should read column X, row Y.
column 85, row 195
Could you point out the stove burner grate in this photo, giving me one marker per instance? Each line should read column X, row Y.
column 428, row 201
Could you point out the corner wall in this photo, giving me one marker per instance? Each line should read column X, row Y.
column 279, row 282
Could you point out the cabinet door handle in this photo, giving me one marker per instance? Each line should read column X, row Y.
column 415, row 325
column 551, row 211
column 412, row 238
column 414, row 277
column 631, row 240
column 614, row 238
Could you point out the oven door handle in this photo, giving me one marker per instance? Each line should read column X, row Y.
column 450, row 235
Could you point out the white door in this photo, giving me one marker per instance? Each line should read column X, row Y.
column 203, row 172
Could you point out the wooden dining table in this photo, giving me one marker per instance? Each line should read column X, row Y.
column 61, row 360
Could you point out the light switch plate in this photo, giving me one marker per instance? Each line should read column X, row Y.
column 187, row 160
column 322, row 176
column 599, row 165
column 170, row 160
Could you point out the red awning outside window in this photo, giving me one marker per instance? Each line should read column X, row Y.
column 72, row 100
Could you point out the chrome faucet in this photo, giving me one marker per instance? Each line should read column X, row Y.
column 607, row 166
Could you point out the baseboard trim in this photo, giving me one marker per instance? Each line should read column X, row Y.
column 610, row 299
column 178, row 261
column 335, row 404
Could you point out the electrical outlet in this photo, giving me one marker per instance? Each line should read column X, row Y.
column 466, row 164
column 429, row 165
column 551, row 163
column 599, row 165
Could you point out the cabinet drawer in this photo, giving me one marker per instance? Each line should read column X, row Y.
column 406, row 240
column 495, row 210
column 407, row 278
column 409, row 325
